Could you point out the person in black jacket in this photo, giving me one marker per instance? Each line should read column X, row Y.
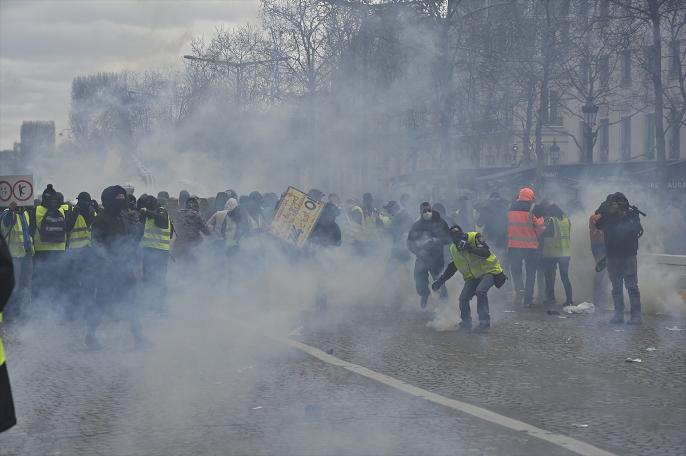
column 114, row 243
column 327, row 233
column 7, row 415
column 426, row 239
column 621, row 227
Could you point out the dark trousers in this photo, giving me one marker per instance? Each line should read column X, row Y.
column 550, row 266
column 528, row 258
column 478, row 287
column 21, row 296
column 422, row 268
column 81, row 281
column 623, row 272
column 152, row 289
column 47, row 287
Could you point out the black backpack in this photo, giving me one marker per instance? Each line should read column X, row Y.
column 54, row 227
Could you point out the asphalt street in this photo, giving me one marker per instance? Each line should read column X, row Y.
column 212, row 389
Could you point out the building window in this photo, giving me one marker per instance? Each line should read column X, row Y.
column 604, row 70
column 604, row 140
column 649, row 136
column 626, row 67
column 675, row 135
column 551, row 109
column 625, row 146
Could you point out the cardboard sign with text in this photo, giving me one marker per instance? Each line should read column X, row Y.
column 296, row 217
column 16, row 189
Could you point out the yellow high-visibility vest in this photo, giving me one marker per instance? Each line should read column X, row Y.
column 230, row 232
column 559, row 245
column 155, row 237
column 38, row 244
column 473, row 266
column 80, row 235
column 15, row 235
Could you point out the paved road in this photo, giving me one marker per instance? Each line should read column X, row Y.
column 210, row 387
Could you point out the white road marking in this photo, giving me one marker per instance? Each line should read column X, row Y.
column 563, row 441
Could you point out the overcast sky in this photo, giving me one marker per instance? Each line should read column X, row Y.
column 45, row 43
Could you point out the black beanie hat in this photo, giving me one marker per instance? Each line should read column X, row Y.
column 49, row 191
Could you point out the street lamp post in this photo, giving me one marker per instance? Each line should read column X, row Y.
column 515, row 149
column 590, row 112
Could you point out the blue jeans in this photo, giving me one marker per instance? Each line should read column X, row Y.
column 478, row 287
column 623, row 272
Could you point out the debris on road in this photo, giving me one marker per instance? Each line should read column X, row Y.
column 583, row 308
column 674, row 328
column 651, row 349
column 509, row 311
column 256, row 408
column 580, row 425
column 561, row 316
column 634, row 360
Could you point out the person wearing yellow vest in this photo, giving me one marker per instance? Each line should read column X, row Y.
column 557, row 251
column 14, row 227
column 480, row 269
column 230, row 229
column 49, row 230
column 155, row 247
column 7, row 415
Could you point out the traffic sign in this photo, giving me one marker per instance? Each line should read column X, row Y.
column 16, row 189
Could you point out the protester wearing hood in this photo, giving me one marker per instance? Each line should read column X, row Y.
column 480, row 269
column 327, row 233
column 621, row 227
column 426, row 240
column 114, row 241
column 216, row 221
column 48, row 224
column 230, row 229
column 190, row 229
column 7, row 415
column 523, row 230
column 155, row 247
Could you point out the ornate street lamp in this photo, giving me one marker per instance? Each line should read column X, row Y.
column 590, row 112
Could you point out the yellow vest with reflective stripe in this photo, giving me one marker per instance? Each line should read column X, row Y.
column 15, row 236
column 155, row 237
column 368, row 229
column 40, row 246
column 559, row 245
column 473, row 266
column 251, row 240
column 80, row 235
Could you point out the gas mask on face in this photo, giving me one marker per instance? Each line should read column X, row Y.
column 427, row 215
column 120, row 203
column 52, row 203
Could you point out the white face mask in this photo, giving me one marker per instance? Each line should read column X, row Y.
column 427, row 215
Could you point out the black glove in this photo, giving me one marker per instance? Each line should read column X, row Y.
column 462, row 245
column 437, row 285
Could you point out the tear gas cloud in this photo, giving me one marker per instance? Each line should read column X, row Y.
column 195, row 129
